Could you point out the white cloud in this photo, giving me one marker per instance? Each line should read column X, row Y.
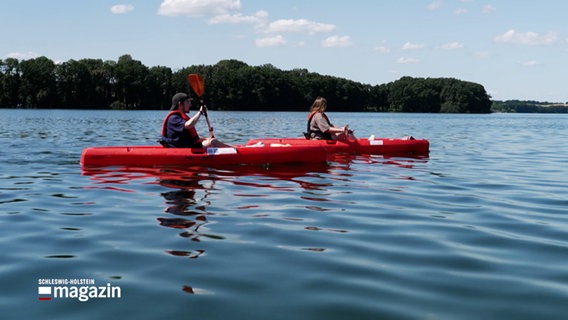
column 258, row 18
column 23, row 55
column 198, row 7
column 411, row 46
column 452, row 45
column 530, row 63
column 337, row 41
column 300, row 25
column 488, row 8
column 403, row 60
column 434, row 5
column 229, row 12
column 271, row 41
column 527, row 38
column 381, row 49
column 121, row 8
column 460, row 11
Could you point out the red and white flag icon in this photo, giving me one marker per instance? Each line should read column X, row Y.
column 44, row 293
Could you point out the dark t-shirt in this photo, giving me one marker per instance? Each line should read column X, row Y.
column 177, row 135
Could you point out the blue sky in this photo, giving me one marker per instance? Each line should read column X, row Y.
column 515, row 49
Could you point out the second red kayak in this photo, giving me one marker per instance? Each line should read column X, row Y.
column 380, row 146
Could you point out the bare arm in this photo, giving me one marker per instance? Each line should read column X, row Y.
column 193, row 120
column 338, row 129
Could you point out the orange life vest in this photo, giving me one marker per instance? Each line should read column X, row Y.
column 167, row 141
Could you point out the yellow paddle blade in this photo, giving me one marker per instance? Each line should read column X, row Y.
column 197, row 83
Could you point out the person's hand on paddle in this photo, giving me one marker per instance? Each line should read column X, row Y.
column 347, row 133
column 197, row 83
column 203, row 110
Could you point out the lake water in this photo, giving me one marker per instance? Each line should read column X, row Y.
column 478, row 230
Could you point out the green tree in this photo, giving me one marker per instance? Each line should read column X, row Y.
column 38, row 84
column 73, row 84
column 130, row 76
column 159, row 87
column 378, row 98
column 10, row 83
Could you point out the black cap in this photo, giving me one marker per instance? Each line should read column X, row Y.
column 180, row 96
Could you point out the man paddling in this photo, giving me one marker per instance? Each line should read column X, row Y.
column 178, row 129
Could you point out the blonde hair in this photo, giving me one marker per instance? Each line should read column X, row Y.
column 319, row 105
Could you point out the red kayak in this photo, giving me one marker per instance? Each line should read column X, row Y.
column 151, row 156
column 381, row 146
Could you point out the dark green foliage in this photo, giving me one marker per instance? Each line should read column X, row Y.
column 38, row 79
column 230, row 85
column 528, row 107
column 437, row 95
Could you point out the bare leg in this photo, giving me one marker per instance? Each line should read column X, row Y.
column 214, row 143
column 344, row 136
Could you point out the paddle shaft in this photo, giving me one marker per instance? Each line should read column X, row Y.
column 197, row 83
column 211, row 134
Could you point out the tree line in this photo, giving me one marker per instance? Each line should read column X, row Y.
column 229, row 85
column 528, row 106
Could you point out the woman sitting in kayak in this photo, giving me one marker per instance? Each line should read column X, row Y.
column 320, row 128
column 178, row 129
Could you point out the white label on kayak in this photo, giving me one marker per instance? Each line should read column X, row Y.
column 280, row 145
column 376, row 142
column 212, row 151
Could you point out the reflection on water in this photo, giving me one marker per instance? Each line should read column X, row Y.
column 191, row 192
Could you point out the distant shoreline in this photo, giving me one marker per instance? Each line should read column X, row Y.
column 520, row 106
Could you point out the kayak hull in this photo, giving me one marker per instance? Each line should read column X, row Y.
column 152, row 156
column 379, row 146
